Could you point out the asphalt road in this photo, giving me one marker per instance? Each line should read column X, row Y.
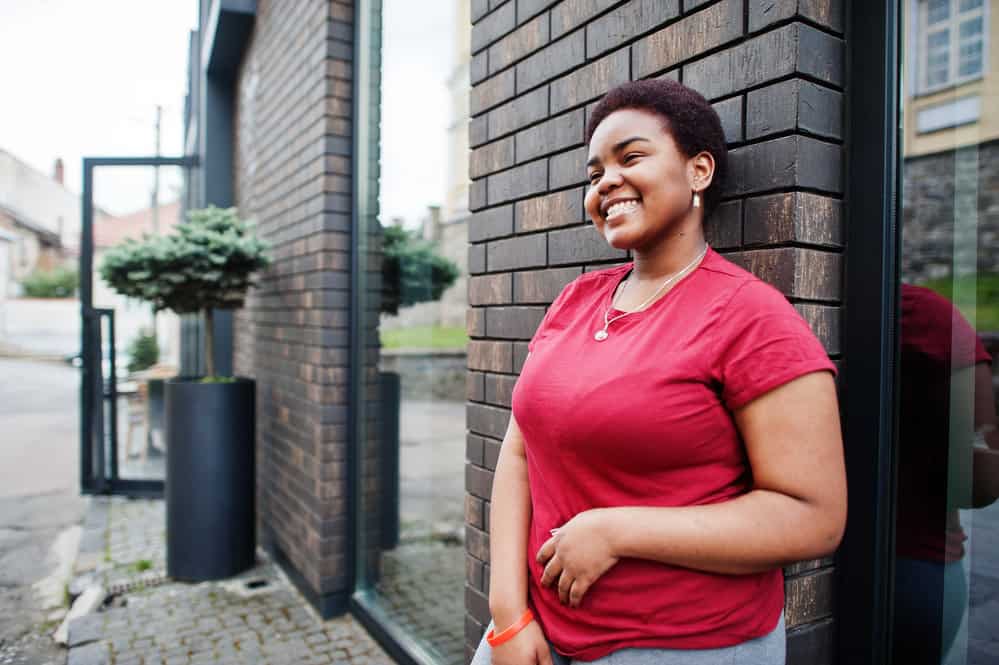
column 40, row 504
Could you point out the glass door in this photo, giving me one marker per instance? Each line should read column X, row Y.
column 946, row 560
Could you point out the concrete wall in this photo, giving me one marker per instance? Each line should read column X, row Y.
column 292, row 177
column 775, row 73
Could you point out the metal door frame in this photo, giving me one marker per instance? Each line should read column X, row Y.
column 96, row 475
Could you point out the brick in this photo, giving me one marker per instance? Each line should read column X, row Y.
column 475, row 447
column 491, row 92
column 490, row 454
column 542, row 286
column 794, row 48
column 520, row 352
column 490, row 290
column 526, row 9
column 555, row 59
column 688, row 38
column 478, row 68
column 564, row 131
column 791, row 161
column 767, row 12
column 812, row 644
column 493, row 26
column 518, row 182
column 478, row 131
column 475, row 386
column 491, row 157
column 499, row 389
column 798, row 217
column 626, row 22
column 590, row 81
column 515, row 253
column 476, row 602
column 476, row 259
column 808, row 597
column 795, row 271
column 730, row 114
column 723, row 230
column 567, row 168
column 490, row 223
column 579, row 245
column 477, row 195
column 525, row 40
column 475, row 322
column 794, row 104
column 513, row 322
column 571, row 14
column 520, row 112
column 801, row 567
column 690, row 5
column 551, row 211
column 825, row 322
column 474, row 515
column 486, row 420
column 490, row 356
column 477, row 542
column 479, row 8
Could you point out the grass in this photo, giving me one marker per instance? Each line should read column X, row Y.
column 142, row 565
column 425, row 337
column 986, row 304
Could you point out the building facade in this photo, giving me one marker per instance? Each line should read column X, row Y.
column 374, row 494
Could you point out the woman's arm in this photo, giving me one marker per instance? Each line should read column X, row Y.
column 795, row 511
column 509, row 516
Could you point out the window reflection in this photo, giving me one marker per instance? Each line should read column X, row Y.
column 946, row 607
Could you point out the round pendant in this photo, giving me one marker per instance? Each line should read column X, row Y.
column 600, row 336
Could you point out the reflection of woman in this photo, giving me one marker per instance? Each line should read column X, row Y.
column 675, row 436
column 942, row 358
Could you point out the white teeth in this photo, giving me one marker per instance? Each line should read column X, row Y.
column 621, row 208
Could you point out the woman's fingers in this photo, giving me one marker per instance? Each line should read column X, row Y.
column 564, row 585
column 576, row 592
column 547, row 550
column 553, row 570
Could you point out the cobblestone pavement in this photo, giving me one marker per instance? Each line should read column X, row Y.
column 422, row 590
column 255, row 618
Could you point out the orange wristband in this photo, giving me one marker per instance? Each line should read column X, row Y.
column 507, row 634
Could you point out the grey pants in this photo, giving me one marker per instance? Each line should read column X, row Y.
column 766, row 650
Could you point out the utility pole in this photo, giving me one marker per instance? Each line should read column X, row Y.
column 155, row 208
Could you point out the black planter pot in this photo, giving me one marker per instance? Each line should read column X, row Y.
column 209, row 478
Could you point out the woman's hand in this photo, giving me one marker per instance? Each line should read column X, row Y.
column 577, row 555
column 528, row 647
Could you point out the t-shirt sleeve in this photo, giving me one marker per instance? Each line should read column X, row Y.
column 763, row 343
column 551, row 316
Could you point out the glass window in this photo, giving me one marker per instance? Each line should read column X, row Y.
column 949, row 27
column 946, row 586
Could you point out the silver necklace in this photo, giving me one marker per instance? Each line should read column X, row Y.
column 601, row 335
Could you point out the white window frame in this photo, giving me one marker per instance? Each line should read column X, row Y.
column 919, row 51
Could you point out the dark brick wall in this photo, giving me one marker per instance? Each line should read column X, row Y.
column 774, row 71
column 293, row 179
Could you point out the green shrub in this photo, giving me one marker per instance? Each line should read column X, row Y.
column 143, row 352
column 60, row 282
column 412, row 270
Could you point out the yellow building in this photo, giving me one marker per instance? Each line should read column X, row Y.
column 950, row 74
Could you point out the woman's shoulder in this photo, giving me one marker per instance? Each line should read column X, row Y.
column 741, row 288
column 595, row 280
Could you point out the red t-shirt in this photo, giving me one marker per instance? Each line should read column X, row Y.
column 936, row 342
column 643, row 419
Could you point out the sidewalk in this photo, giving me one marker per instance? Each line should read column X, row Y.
column 255, row 618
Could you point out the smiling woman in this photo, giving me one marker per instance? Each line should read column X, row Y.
column 698, row 448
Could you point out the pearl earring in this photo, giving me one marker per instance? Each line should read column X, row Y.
column 697, row 200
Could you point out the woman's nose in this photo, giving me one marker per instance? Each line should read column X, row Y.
column 609, row 180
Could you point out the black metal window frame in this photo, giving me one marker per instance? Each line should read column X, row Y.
column 865, row 561
column 96, row 476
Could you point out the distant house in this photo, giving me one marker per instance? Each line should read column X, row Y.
column 41, row 215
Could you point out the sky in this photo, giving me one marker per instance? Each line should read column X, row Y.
column 83, row 78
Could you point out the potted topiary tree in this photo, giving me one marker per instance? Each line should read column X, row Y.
column 207, row 264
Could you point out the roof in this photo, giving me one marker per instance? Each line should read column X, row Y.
column 110, row 230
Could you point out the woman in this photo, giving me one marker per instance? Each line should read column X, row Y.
column 675, row 436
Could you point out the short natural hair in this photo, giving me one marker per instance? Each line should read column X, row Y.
column 688, row 118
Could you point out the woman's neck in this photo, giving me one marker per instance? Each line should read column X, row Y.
column 669, row 256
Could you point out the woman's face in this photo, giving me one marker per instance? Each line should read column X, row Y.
column 641, row 185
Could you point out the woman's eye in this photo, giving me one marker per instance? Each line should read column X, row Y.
column 630, row 157
column 594, row 178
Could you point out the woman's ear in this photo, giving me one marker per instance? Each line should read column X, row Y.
column 700, row 171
